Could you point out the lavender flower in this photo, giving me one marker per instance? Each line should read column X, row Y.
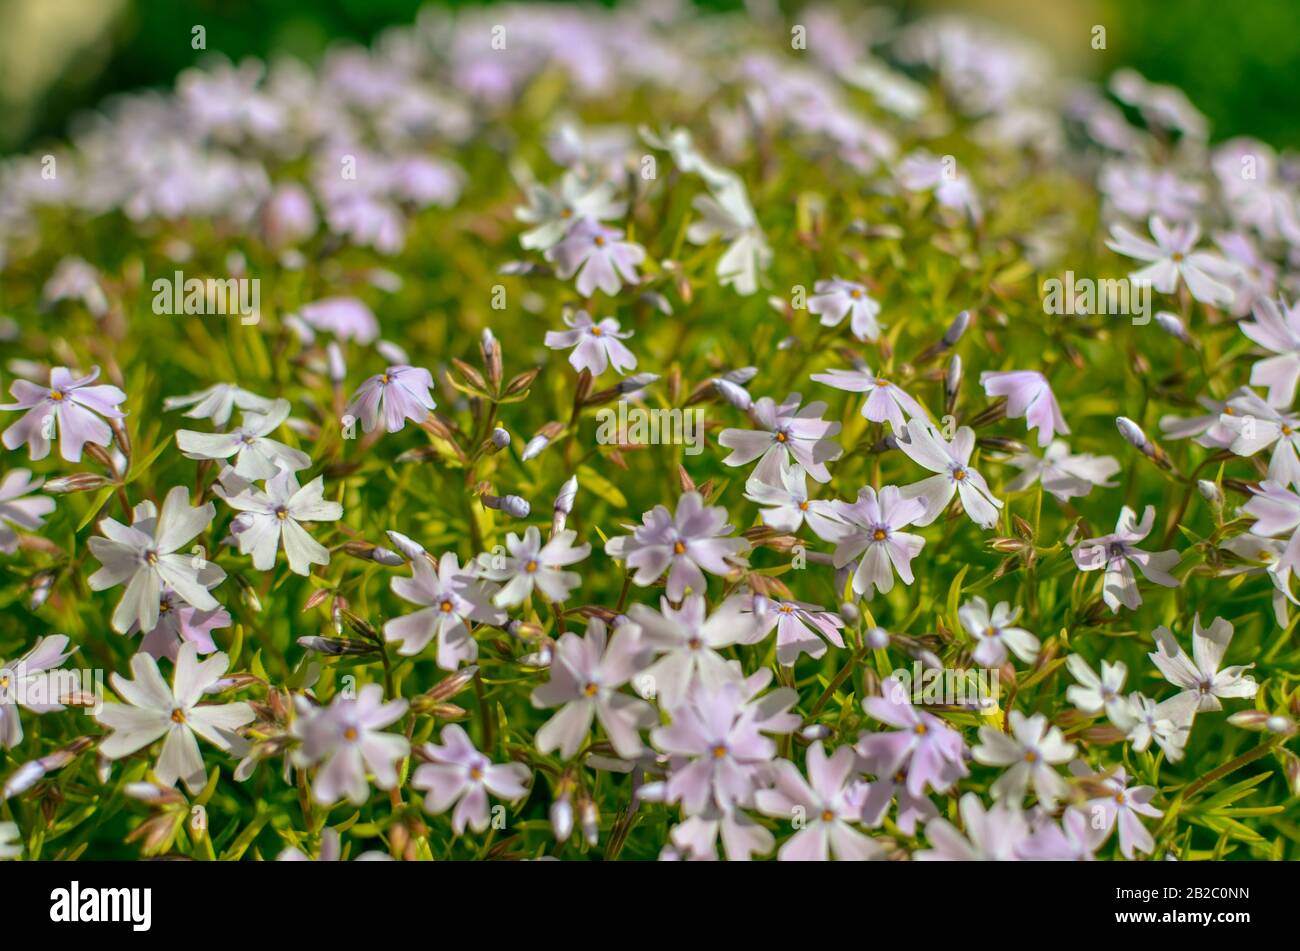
column 20, row 508
column 1276, row 328
column 1029, row 395
column 825, row 806
column 786, row 431
column 885, row 400
column 347, row 740
column 1121, row 806
column 871, row 532
column 534, row 565
column 925, row 446
column 1064, row 475
column 598, row 256
column 69, row 408
column 687, row 644
column 345, row 317
column 922, row 747
column 217, row 402
column 459, row 775
column 396, row 395
column 788, row 505
column 595, row 346
column 1029, row 754
column 999, row 834
column 1114, row 552
column 585, row 676
column 685, row 544
column 26, row 682
column 1173, row 257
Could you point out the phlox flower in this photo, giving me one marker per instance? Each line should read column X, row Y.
column 724, row 748
column 697, row 836
column 531, row 564
column 1121, row 806
column 924, row 445
column 347, row 318
column 994, row 633
column 148, row 556
column 598, row 256
column 396, row 395
column 1031, row 751
column 586, row 674
column 885, row 400
column 217, row 402
column 998, row 834
column 824, row 808
column 1276, row 510
column 726, row 213
column 787, row 505
column 1276, row 328
column 457, row 774
column 257, row 456
column 1094, row 693
column 925, row 749
column 347, row 740
column 887, row 787
column 801, row 628
column 686, row 544
column 1173, row 258
column 1074, row 840
column 1255, row 424
column 834, row 299
column 20, row 507
column 452, row 597
column 1206, row 430
column 595, row 345
column 1113, row 552
column 552, row 212
column 688, row 642
column 1169, row 722
column 872, row 533
column 272, row 518
column 1063, row 474
column 1029, row 395
column 151, row 710
column 786, row 433
column 179, row 622
column 923, row 172
column 69, row 408
column 1200, row 675
column 76, row 279
column 26, row 682
column 331, row 850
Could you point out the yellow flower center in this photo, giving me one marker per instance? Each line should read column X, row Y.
column 446, row 606
column 590, row 690
column 596, row 331
column 879, row 535
column 959, row 474
column 56, row 396
column 350, row 734
column 920, row 729
column 281, row 514
column 780, row 437
column 1176, row 256
column 530, row 567
column 719, row 751
column 600, row 241
column 828, row 816
column 990, row 631
column 384, row 379
column 178, row 715
column 855, row 294
column 475, row 773
column 679, row 548
column 803, row 506
column 1031, row 757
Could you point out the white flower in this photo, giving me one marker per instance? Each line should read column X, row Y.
column 552, row 213
column 836, row 298
column 1169, row 722
column 218, row 401
column 688, row 644
column 532, row 564
column 11, row 843
column 927, row 447
column 994, row 633
column 1121, row 805
column 1029, row 395
column 823, row 807
column 885, row 400
column 1032, row 750
column 271, row 518
column 147, row 555
column 1114, row 552
column 1063, row 475
column 1092, row 694
column 788, row 505
column 153, row 710
column 256, row 455
column 331, row 850
column 1172, row 257
column 451, row 597
column 1201, row 677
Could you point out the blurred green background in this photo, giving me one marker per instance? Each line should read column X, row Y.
column 1237, row 61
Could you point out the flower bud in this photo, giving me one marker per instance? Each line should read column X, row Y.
column 500, row 438
column 512, row 505
column 23, row 779
column 1210, row 491
column 815, row 731
column 589, row 818
column 77, row 482
column 734, row 394
column 878, row 638
column 1171, row 325
column 335, row 646
column 956, row 328
column 338, row 367
column 562, row 818
column 638, row 381
column 409, row 548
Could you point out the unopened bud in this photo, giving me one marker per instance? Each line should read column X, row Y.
column 77, row 482
column 734, row 394
column 956, row 328
column 638, row 381
column 1210, row 491
column 512, row 505
column 878, row 638
column 337, row 366
column 1171, row 325
column 562, row 818
column 815, row 731
column 589, row 817
column 408, row 547
column 335, row 646
column 500, row 438
column 23, row 779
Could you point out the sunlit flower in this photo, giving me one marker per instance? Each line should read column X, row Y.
column 457, row 774
column 69, row 409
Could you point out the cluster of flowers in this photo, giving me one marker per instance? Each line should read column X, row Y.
column 709, row 700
